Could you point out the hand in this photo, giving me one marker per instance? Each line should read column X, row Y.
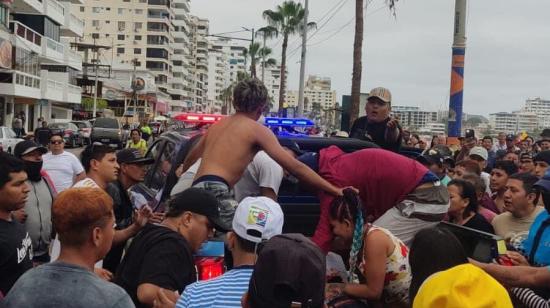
column 333, row 290
column 103, row 274
column 517, row 259
column 156, row 218
column 393, row 122
column 142, row 215
column 166, row 299
column 20, row 215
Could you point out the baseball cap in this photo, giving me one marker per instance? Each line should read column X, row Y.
column 430, row 158
column 526, row 155
column 291, row 145
column 479, row 151
column 542, row 156
column 198, row 201
column 132, row 156
column 545, row 133
column 382, row 93
column 289, row 268
column 257, row 219
column 25, row 147
column 465, row 286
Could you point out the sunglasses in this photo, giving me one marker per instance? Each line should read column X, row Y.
column 56, row 142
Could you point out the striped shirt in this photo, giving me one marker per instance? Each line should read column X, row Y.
column 225, row 291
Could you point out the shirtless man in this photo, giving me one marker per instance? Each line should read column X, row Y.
column 230, row 145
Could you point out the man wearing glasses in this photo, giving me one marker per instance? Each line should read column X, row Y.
column 63, row 167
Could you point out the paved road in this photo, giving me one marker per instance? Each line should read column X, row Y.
column 75, row 151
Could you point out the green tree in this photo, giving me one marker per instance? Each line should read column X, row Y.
column 88, row 103
column 227, row 94
column 257, row 54
column 287, row 19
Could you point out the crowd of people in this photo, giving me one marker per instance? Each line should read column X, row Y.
column 72, row 234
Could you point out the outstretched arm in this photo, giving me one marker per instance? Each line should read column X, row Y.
column 517, row 276
column 269, row 143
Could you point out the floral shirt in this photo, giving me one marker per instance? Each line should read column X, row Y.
column 398, row 273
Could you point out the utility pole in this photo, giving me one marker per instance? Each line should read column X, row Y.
column 96, row 79
column 457, row 71
column 303, row 62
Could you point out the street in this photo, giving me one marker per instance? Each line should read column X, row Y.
column 75, row 151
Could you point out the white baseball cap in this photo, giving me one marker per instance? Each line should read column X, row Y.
column 479, row 151
column 257, row 219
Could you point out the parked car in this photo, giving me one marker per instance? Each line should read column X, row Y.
column 85, row 130
column 8, row 139
column 107, row 131
column 70, row 133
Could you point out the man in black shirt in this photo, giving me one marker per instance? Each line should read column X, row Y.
column 161, row 256
column 378, row 126
column 15, row 242
column 42, row 134
column 132, row 171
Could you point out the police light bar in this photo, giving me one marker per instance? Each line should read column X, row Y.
column 199, row 117
column 288, row 122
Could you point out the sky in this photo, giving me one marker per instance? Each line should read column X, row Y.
column 507, row 54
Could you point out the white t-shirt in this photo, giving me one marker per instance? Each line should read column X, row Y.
column 86, row 183
column 486, row 177
column 263, row 171
column 62, row 169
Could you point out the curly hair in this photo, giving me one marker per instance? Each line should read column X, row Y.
column 76, row 211
column 249, row 95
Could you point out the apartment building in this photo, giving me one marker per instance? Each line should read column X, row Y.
column 317, row 92
column 140, row 33
column 514, row 122
column 199, row 62
column 39, row 68
column 217, row 65
column 413, row 117
column 181, row 86
column 272, row 81
column 236, row 57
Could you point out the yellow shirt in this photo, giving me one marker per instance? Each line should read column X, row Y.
column 141, row 146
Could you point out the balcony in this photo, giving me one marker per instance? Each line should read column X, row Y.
column 55, row 11
column 73, row 27
column 53, row 51
column 72, row 94
column 28, row 6
column 20, row 84
column 26, row 37
column 73, row 58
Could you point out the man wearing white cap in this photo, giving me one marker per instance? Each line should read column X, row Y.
column 256, row 220
column 378, row 126
column 480, row 156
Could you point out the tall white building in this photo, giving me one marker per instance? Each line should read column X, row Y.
column 272, row 81
column 514, row 122
column 414, row 118
column 317, row 92
column 39, row 67
column 199, row 62
column 235, row 55
column 541, row 108
column 217, row 65
column 182, row 84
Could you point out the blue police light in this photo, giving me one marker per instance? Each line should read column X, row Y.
column 289, row 122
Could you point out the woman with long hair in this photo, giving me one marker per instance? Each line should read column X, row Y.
column 379, row 267
column 464, row 206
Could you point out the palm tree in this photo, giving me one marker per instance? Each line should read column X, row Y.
column 227, row 94
column 287, row 18
column 257, row 54
column 357, row 52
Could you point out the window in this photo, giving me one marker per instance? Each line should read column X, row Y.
column 120, row 37
column 137, row 37
column 121, row 26
column 137, row 51
column 137, row 63
column 138, row 25
column 108, row 8
column 142, row 1
column 95, row 23
column 120, row 11
column 120, row 50
column 139, row 11
column 96, row 9
column 126, row 0
column 95, row 35
column 82, row 9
